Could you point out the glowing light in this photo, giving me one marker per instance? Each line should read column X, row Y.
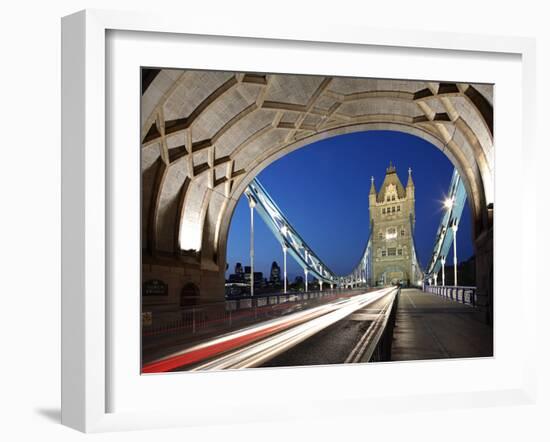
column 448, row 203
column 190, row 235
column 284, row 230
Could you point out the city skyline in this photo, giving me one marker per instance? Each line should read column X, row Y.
column 343, row 208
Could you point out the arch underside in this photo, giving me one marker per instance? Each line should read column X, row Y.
column 206, row 135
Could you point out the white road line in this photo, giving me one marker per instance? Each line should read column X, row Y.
column 410, row 299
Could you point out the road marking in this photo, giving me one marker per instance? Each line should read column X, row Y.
column 370, row 310
column 431, row 332
column 410, row 299
column 363, row 317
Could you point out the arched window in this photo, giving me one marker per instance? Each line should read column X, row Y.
column 189, row 295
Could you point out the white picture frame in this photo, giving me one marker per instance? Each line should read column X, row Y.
column 88, row 168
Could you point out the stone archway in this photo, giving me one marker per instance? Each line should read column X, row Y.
column 205, row 135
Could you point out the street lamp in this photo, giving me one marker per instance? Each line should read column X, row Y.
column 251, row 204
column 284, row 266
column 455, row 261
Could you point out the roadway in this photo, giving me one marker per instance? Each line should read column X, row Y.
column 334, row 344
column 325, row 334
column 426, row 327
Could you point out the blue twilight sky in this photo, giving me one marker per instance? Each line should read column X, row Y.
column 323, row 190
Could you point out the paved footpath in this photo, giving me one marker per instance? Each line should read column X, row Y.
column 432, row 327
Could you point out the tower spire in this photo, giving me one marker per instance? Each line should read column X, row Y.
column 372, row 188
column 410, row 180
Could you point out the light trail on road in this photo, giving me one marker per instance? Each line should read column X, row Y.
column 254, row 345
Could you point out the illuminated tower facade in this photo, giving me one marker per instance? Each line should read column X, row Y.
column 392, row 222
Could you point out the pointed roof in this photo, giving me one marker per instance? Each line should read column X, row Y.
column 372, row 188
column 410, row 180
column 391, row 178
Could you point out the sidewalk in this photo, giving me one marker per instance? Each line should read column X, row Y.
column 431, row 327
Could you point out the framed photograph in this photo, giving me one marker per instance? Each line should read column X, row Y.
column 254, row 218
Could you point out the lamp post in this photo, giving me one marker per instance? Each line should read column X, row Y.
column 305, row 279
column 284, row 267
column 251, row 204
column 442, row 271
column 367, row 270
column 455, row 228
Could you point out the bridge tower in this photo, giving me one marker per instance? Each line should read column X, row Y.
column 392, row 217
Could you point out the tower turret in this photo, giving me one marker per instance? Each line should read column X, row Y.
column 410, row 185
column 372, row 198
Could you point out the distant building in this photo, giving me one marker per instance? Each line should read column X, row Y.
column 275, row 275
column 237, row 278
column 298, row 283
column 259, row 280
column 392, row 217
column 239, row 268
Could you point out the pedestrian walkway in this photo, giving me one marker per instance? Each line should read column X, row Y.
column 431, row 327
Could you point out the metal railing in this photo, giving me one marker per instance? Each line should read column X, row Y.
column 224, row 315
column 462, row 294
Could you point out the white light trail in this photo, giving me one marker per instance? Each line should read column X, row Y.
column 260, row 352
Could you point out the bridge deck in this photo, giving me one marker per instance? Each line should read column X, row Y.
column 431, row 327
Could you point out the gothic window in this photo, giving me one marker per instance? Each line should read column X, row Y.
column 384, row 210
column 393, row 209
column 402, row 232
column 391, row 251
column 400, row 252
column 393, row 197
column 383, row 253
column 399, row 208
